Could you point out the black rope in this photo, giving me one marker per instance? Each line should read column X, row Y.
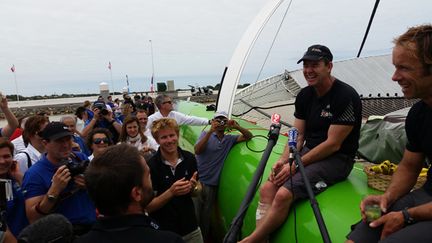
column 368, row 27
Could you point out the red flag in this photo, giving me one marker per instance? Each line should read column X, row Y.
column 13, row 68
column 109, row 65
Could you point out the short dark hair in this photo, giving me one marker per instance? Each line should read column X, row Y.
column 111, row 177
column 32, row 126
column 79, row 111
column 418, row 40
column 5, row 143
column 89, row 140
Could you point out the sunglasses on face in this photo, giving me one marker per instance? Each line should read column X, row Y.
column 100, row 140
column 167, row 102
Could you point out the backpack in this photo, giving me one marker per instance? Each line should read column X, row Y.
column 29, row 163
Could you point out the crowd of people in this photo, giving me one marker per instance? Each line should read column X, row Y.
column 98, row 177
column 124, row 178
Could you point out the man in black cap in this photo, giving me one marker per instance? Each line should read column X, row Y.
column 328, row 118
column 51, row 186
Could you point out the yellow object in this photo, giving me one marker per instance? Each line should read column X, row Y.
column 385, row 168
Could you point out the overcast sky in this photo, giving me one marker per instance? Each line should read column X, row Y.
column 65, row 46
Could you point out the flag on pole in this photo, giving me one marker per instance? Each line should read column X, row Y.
column 151, row 85
column 109, row 65
column 13, row 68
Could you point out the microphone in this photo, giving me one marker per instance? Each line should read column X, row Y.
column 275, row 127
column 54, row 228
column 292, row 143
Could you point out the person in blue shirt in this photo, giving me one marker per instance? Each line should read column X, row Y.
column 211, row 150
column 51, row 187
column 15, row 210
column 104, row 118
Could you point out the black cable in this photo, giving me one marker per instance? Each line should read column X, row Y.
column 256, row 151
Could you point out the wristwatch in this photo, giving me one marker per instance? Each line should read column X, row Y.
column 407, row 217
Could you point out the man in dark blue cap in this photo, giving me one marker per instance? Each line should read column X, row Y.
column 51, row 186
column 328, row 118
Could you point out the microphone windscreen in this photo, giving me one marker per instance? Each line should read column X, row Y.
column 53, row 228
column 292, row 137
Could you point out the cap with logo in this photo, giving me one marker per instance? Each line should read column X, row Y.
column 55, row 130
column 316, row 53
column 221, row 114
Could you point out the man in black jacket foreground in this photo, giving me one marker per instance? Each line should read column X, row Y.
column 118, row 182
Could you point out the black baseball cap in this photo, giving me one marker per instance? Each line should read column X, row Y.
column 316, row 53
column 55, row 130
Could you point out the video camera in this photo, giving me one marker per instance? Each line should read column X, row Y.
column 75, row 164
column 6, row 195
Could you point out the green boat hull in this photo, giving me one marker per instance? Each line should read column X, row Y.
column 339, row 204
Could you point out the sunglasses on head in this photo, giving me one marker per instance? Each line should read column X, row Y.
column 100, row 140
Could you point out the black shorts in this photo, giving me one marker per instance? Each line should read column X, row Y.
column 321, row 174
column 418, row 232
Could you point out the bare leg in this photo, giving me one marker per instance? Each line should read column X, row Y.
column 275, row 217
column 267, row 193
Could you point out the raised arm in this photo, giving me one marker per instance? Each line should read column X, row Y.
column 12, row 121
column 245, row 133
column 202, row 143
column 183, row 119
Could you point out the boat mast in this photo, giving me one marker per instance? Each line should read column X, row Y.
column 151, row 82
column 241, row 54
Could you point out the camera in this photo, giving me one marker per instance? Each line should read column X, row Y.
column 75, row 165
column 103, row 109
column 221, row 122
column 6, row 194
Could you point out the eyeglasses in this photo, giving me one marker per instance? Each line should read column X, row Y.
column 167, row 102
column 100, row 140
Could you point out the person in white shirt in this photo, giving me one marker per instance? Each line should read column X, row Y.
column 132, row 134
column 165, row 105
column 18, row 142
column 32, row 153
column 142, row 117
